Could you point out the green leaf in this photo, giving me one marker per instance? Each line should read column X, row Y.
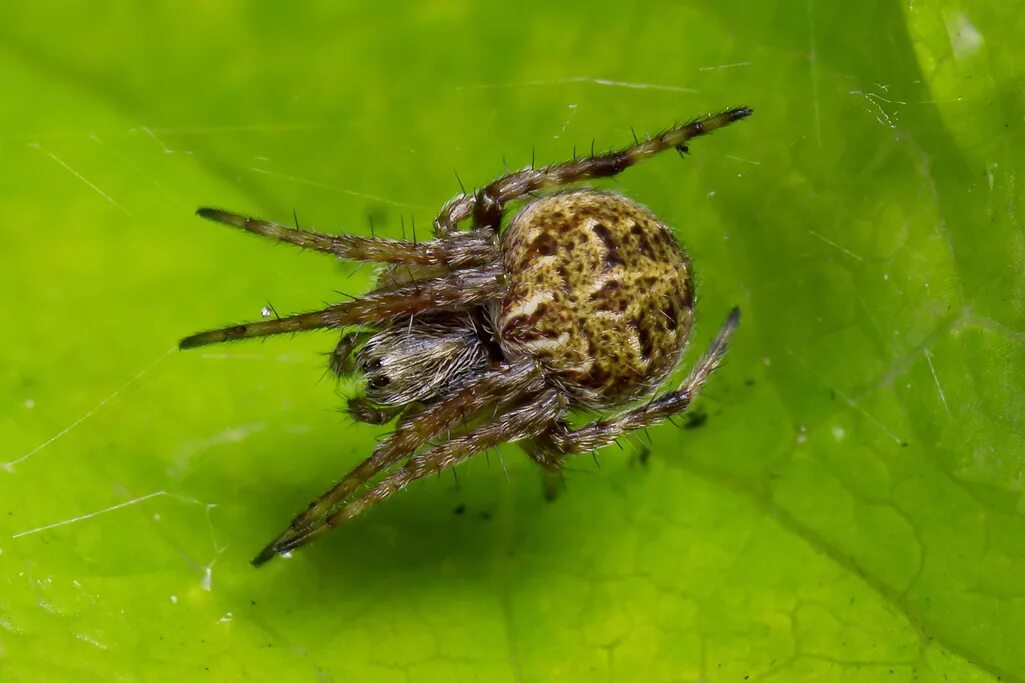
column 851, row 509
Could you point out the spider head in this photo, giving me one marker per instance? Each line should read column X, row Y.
column 420, row 361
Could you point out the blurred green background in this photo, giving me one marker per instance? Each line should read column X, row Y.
column 850, row 509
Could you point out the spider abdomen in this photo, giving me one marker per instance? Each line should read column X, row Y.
column 600, row 293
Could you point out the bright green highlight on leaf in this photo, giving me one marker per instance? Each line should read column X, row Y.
column 851, row 509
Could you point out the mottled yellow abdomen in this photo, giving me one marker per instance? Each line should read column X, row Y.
column 600, row 293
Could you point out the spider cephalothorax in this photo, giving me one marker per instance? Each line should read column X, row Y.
column 483, row 337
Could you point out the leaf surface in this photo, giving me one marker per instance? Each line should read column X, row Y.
column 849, row 508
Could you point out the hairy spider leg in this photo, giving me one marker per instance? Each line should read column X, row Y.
column 486, row 205
column 498, row 386
column 528, row 420
column 459, row 251
column 351, row 247
column 603, row 432
column 458, row 289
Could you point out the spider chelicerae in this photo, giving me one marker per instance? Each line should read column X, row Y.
column 486, row 336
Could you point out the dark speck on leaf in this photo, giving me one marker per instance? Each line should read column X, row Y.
column 486, row 516
column 695, row 419
column 644, row 454
column 459, row 509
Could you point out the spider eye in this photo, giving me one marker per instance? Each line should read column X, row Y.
column 378, row 381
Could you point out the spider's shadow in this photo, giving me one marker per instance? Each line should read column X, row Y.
column 415, row 532
column 421, row 540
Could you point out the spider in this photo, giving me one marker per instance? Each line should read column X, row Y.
column 480, row 337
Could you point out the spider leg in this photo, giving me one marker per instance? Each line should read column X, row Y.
column 605, row 431
column 532, row 417
column 363, row 410
column 493, row 388
column 341, row 361
column 358, row 248
column 516, row 185
column 487, row 204
column 456, row 290
column 457, row 209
